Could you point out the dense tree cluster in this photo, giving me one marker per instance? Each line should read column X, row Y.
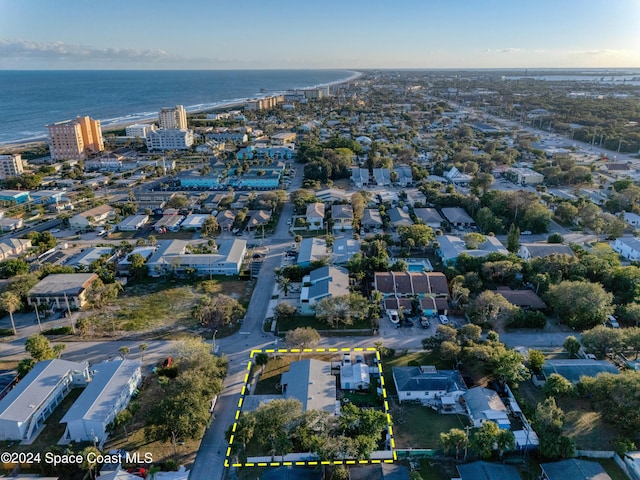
column 281, row 427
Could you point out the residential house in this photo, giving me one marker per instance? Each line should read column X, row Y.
column 14, row 196
column 62, row 290
column 152, row 200
column 9, row 224
column 484, row 405
column 312, row 250
column 93, row 217
column 382, row 177
column 344, row 249
column 405, row 175
column 526, row 299
column 111, row 387
column 360, row 177
column 399, row 218
column 415, row 197
column 330, row 195
column 487, row 471
column 573, row 469
column 123, row 268
column 427, row 383
column 457, row 217
column 90, row 255
column 315, row 216
column 132, row 223
column 168, row 222
column 354, row 376
column 450, row 248
column 25, row 408
column 379, row 471
column 258, row 219
column 225, row 220
column 429, row 216
column 11, row 247
column 194, row 221
column 342, row 216
column 632, row 219
column 574, row 368
column 371, row 219
column 292, row 473
column 310, row 382
column 458, row 178
column 529, row 251
column 322, row 282
column 411, row 284
column 628, row 248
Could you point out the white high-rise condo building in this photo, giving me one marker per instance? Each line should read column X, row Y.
column 169, row 139
column 175, row 117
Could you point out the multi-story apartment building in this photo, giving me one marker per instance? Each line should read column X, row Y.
column 169, row 139
column 139, row 130
column 173, row 117
column 75, row 139
column 10, row 166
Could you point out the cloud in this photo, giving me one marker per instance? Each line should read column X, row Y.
column 601, row 52
column 22, row 49
column 504, row 50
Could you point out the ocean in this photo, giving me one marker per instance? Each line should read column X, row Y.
column 29, row 100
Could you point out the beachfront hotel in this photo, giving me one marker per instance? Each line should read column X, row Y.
column 75, row 139
column 173, row 118
column 10, row 166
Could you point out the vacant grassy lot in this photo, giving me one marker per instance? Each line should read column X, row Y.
column 581, row 422
column 415, row 426
column 162, row 306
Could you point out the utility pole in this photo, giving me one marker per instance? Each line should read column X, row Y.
column 66, row 299
column 38, row 316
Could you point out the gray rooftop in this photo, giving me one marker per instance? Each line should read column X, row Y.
column 100, row 396
column 20, row 403
column 421, row 379
column 310, row 381
column 546, row 249
column 168, row 247
column 573, row 369
column 574, row 469
column 488, row 471
column 428, row 215
column 312, row 249
column 457, row 215
column 62, row 283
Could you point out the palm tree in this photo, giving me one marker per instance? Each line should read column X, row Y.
column 10, row 302
column 124, row 351
column 285, row 285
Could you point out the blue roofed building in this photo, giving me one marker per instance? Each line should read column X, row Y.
column 312, row 250
column 487, row 471
column 320, row 283
column 14, row 196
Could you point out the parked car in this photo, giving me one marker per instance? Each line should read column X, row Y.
column 443, row 319
column 138, row 472
column 424, row 322
column 526, row 232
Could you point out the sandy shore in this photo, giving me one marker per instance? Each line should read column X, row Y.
column 17, row 147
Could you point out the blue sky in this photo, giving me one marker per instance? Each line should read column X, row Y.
column 211, row 34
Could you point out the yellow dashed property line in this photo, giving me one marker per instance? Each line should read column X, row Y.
column 371, row 349
column 380, row 368
column 312, row 463
column 391, row 430
column 307, row 350
column 358, row 349
column 253, row 352
column 237, row 414
column 244, row 388
column 249, row 365
column 300, row 463
column 246, row 377
column 382, row 381
column 240, row 402
column 295, row 350
column 325, row 462
column 337, row 462
column 235, row 425
column 346, row 349
column 393, row 443
column 386, row 405
column 274, row 464
column 231, row 440
column 391, row 461
column 251, row 464
column 226, row 463
column 287, row 464
column 388, row 418
column 262, row 464
column 333, row 349
column 282, row 350
column 363, row 461
column 351, row 462
column 375, row 461
column 320, row 350
column 269, row 350
column 228, row 451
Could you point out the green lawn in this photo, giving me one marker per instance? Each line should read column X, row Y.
column 270, row 376
column 313, row 322
column 415, row 426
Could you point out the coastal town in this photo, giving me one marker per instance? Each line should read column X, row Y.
column 405, row 275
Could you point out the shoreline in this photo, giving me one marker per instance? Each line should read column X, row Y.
column 10, row 147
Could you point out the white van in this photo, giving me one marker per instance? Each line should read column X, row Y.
column 443, row 319
column 613, row 321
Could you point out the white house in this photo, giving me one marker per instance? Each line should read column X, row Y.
column 360, row 177
column 93, row 217
column 108, row 393
column 382, row 177
column 354, row 376
column 485, row 405
column 427, row 383
column 632, row 219
column 629, row 248
column 133, row 223
column 315, row 216
column 172, row 256
column 342, row 216
column 310, row 381
column 25, row 408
